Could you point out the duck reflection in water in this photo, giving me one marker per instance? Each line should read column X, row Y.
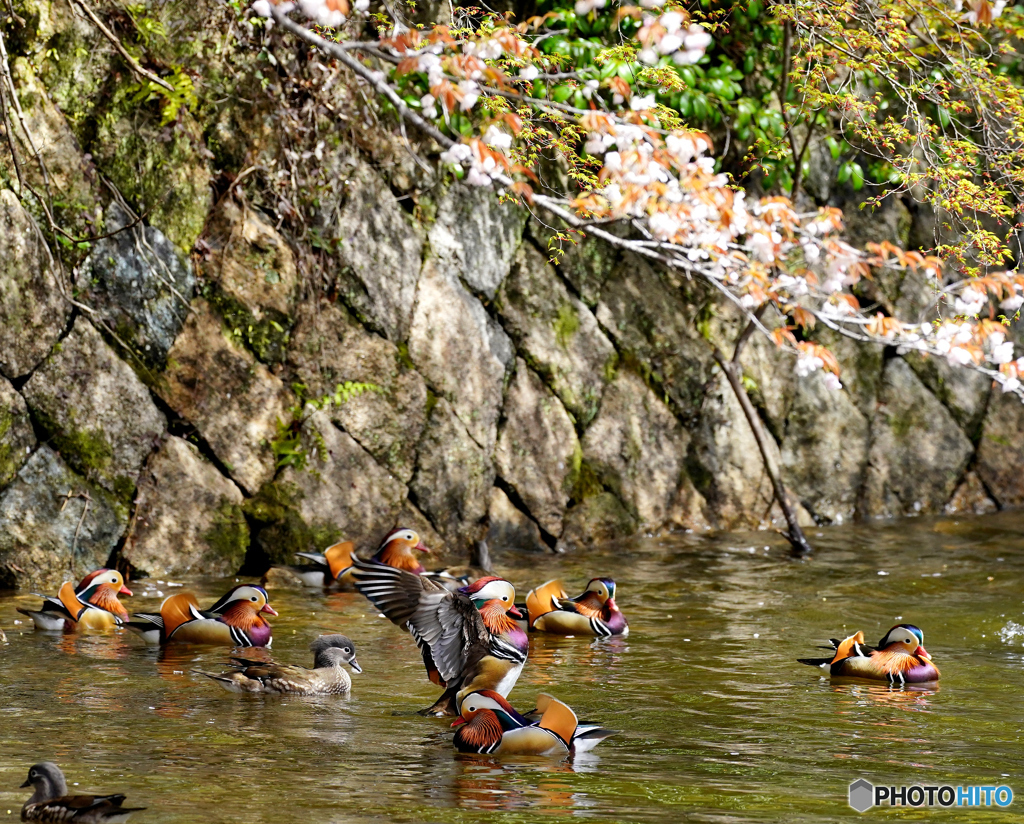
column 174, row 662
column 534, row 783
column 597, row 662
column 94, row 646
column 910, row 697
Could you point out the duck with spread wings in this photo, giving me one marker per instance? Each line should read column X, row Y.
column 467, row 638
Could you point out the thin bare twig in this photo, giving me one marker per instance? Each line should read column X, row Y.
column 132, row 62
column 78, row 529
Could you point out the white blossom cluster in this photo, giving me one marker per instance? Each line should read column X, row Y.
column 329, row 13
column 686, row 47
column 974, row 14
column 808, row 363
column 674, row 188
column 481, row 167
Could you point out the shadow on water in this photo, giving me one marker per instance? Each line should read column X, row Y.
column 716, row 720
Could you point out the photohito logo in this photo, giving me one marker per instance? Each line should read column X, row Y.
column 864, row 795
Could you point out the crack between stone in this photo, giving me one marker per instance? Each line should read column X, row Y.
column 188, row 431
column 510, row 491
column 73, row 316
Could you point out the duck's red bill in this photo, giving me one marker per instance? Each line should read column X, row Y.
column 458, row 721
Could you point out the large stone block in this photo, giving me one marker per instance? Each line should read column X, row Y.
column 476, row 235
column 165, row 172
column 232, row 398
column 17, row 439
column 188, row 517
column 328, row 349
column 638, row 449
column 824, row 450
column 33, row 313
column 69, row 174
column 342, row 492
column 97, row 412
column 380, row 252
column 726, row 465
column 249, row 259
column 1001, row 450
column 653, row 320
column 963, row 392
column 596, row 520
column 255, row 277
column 510, row 527
column 970, row 497
column 453, row 478
column 556, row 333
column 587, row 262
column 461, row 351
column 46, row 537
column 536, row 449
column 139, row 286
column 918, row 453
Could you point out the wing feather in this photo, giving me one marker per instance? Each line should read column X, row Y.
column 444, row 622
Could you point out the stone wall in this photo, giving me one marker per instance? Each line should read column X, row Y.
column 163, row 397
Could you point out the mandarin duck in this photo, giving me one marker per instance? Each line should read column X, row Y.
column 398, row 549
column 550, row 609
column 93, row 604
column 899, row 658
column 51, row 802
column 489, row 725
column 236, row 620
column 328, row 676
column 466, row 637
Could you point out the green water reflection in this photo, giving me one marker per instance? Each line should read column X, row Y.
column 717, row 721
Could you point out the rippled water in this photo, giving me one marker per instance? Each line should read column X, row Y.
column 717, row 721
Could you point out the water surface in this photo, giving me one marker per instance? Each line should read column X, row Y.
column 717, row 721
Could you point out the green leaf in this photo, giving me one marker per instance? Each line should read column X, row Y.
column 562, row 93
column 856, row 176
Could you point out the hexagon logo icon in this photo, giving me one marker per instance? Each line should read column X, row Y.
column 862, row 794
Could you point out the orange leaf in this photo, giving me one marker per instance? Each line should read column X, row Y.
column 803, row 318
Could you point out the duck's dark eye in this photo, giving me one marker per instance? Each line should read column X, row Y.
column 347, row 649
column 253, row 599
column 504, row 597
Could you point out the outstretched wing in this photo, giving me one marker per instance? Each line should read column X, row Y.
column 442, row 622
